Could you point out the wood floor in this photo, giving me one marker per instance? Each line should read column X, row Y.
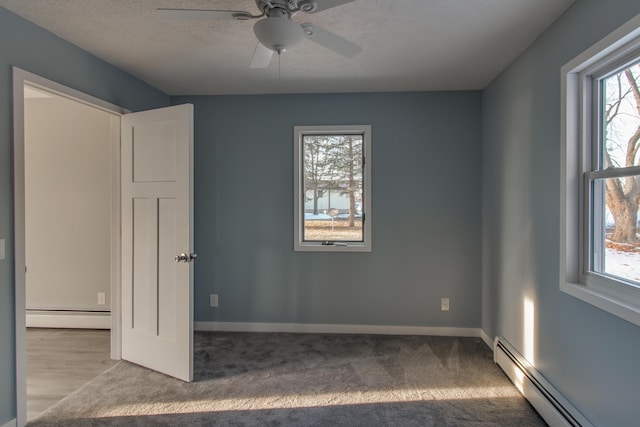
column 59, row 361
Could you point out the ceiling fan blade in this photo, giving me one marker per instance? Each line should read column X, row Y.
column 328, row 4
column 203, row 14
column 261, row 57
column 330, row 40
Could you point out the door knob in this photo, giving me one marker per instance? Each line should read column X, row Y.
column 186, row 258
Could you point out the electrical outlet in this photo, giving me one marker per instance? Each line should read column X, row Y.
column 213, row 300
column 444, row 304
column 101, row 298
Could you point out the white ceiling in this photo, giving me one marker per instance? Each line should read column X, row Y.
column 407, row 45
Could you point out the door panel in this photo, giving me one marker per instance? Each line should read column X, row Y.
column 167, row 274
column 143, row 268
column 157, row 225
column 154, row 152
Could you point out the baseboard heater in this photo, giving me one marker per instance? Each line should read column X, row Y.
column 68, row 319
column 549, row 403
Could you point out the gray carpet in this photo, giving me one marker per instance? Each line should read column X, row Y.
column 307, row 380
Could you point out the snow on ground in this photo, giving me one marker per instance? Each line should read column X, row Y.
column 320, row 216
column 324, row 217
column 623, row 264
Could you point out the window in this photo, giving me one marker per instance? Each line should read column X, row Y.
column 332, row 188
column 600, row 228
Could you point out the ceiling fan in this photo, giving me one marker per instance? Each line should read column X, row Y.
column 275, row 30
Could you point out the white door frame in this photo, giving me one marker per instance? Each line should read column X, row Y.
column 20, row 78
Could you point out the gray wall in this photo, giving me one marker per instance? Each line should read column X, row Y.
column 426, row 204
column 29, row 47
column 588, row 354
column 426, row 197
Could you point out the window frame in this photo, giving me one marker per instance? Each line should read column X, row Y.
column 580, row 128
column 299, row 245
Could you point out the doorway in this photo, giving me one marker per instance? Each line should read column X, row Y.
column 68, row 226
column 68, row 240
column 154, row 193
column 75, row 283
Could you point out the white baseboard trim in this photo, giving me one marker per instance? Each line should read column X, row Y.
column 12, row 423
column 309, row 328
column 69, row 320
column 487, row 339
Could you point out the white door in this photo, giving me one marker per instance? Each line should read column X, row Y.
column 157, row 240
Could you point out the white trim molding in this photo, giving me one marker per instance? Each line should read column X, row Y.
column 312, row 328
column 487, row 339
column 299, row 244
column 577, row 278
column 11, row 423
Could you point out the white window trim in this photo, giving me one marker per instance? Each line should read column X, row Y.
column 298, row 202
column 613, row 296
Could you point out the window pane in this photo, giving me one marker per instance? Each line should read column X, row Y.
column 616, row 242
column 621, row 118
column 333, row 188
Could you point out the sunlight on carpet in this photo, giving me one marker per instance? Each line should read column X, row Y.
column 309, row 401
column 257, row 379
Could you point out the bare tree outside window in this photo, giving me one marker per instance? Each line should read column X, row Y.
column 620, row 149
column 333, row 187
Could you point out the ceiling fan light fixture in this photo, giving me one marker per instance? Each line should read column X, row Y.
column 278, row 33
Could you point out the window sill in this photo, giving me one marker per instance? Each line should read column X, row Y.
column 311, row 247
column 610, row 304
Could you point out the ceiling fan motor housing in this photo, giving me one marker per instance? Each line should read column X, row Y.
column 290, row 7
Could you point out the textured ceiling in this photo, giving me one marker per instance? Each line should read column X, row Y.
column 407, row 45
